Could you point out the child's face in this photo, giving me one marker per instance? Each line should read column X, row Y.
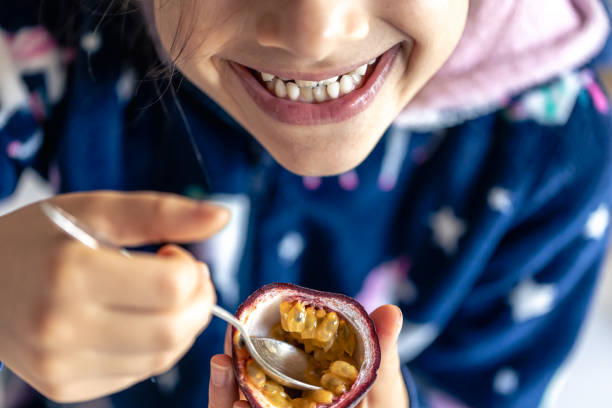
column 313, row 40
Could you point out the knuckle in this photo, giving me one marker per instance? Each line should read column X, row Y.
column 163, row 362
column 47, row 327
column 57, row 392
column 160, row 206
column 47, row 367
column 175, row 286
column 63, row 262
column 93, row 202
column 62, row 257
column 169, row 336
column 208, row 289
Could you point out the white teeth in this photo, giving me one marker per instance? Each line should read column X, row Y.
column 293, row 91
column 280, row 89
column 328, row 81
column 362, row 69
column 305, row 84
column 320, row 93
column 307, row 95
column 346, row 84
column 333, row 90
column 267, row 77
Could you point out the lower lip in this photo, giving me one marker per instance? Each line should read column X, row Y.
column 305, row 114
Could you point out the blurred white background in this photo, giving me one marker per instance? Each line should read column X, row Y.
column 585, row 381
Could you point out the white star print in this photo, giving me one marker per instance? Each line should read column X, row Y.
column 597, row 223
column 499, row 200
column 506, row 381
column 531, row 299
column 91, row 42
column 447, row 229
column 406, row 291
column 126, row 85
column 168, row 381
column 414, row 338
column 223, row 252
column 290, row 247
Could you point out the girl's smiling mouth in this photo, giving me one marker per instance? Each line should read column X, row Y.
column 315, row 99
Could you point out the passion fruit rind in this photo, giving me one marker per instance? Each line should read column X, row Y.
column 343, row 305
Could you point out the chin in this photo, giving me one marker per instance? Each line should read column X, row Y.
column 320, row 163
column 320, row 153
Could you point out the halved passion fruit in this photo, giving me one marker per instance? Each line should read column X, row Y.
column 333, row 329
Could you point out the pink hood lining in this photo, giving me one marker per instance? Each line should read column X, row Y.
column 511, row 45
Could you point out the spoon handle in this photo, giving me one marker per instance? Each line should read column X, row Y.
column 231, row 319
column 228, row 317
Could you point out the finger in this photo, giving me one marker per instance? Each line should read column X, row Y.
column 388, row 322
column 175, row 251
column 134, row 219
column 80, row 391
column 222, row 390
column 128, row 331
column 93, row 365
column 227, row 347
column 241, row 404
column 142, row 281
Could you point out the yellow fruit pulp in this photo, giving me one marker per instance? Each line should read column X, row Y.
column 330, row 342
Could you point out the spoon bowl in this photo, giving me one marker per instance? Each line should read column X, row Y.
column 283, row 362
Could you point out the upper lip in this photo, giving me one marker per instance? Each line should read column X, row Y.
column 311, row 76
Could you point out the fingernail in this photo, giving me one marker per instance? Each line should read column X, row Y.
column 400, row 322
column 207, row 207
column 219, row 375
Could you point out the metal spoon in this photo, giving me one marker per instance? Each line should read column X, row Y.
column 283, row 362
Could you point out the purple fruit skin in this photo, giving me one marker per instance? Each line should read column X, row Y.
column 357, row 393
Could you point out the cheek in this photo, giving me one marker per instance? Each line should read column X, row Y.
column 167, row 16
column 434, row 25
column 195, row 30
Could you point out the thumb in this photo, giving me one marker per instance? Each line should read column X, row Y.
column 388, row 322
column 389, row 382
column 134, row 219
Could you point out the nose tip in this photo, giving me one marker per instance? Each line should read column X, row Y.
column 312, row 29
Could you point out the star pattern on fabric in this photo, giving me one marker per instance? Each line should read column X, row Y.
column 168, row 381
column 312, row 183
column 126, row 84
column 414, row 338
column 506, row 381
column 349, row 181
column 290, row 247
column 91, row 42
column 396, row 149
column 388, row 283
column 406, row 291
column 499, row 200
column 531, row 299
column 223, row 252
column 597, row 224
column 447, row 229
